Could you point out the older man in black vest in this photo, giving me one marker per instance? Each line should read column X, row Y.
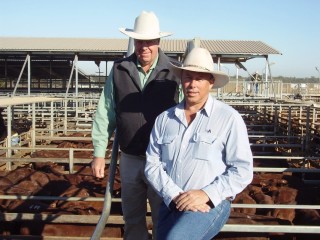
column 137, row 90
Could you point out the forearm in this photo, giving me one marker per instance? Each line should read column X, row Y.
column 160, row 180
column 100, row 133
column 104, row 122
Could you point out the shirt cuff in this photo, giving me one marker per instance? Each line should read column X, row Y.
column 170, row 194
column 99, row 153
column 215, row 197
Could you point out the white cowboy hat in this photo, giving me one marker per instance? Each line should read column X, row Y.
column 200, row 60
column 146, row 27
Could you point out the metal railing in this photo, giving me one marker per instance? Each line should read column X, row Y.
column 271, row 114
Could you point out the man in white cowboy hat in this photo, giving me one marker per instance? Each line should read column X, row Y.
column 199, row 155
column 137, row 90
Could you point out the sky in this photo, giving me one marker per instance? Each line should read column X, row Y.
column 290, row 26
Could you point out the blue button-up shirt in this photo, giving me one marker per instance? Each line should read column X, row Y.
column 212, row 153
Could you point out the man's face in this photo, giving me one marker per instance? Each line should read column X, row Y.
column 146, row 50
column 196, row 86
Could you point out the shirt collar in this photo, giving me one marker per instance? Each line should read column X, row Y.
column 207, row 109
column 208, row 106
column 154, row 64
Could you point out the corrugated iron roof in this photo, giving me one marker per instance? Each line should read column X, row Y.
column 52, row 58
column 23, row 44
column 238, row 47
column 62, row 44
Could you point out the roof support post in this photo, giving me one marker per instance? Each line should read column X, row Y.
column 33, row 129
column 219, row 67
column 29, row 75
column 18, row 81
column 272, row 83
column 71, row 73
column 237, row 80
column 50, row 72
column 65, row 121
column 107, row 70
column 266, row 83
column 77, row 83
column 77, row 75
column 6, row 73
column 9, row 150
column 51, row 119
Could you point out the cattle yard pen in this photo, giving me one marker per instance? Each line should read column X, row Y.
column 284, row 137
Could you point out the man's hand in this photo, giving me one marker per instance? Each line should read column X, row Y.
column 192, row 200
column 97, row 167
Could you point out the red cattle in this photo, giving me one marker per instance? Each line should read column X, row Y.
column 67, row 230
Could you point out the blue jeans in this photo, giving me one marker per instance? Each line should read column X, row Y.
column 187, row 225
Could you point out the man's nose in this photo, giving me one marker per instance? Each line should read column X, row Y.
column 193, row 82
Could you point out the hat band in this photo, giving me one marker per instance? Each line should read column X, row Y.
column 197, row 66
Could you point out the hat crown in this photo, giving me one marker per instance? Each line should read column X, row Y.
column 199, row 58
column 147, row 23
column 146, row 27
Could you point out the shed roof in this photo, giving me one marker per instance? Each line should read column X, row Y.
column 101, row 45
column 54, row 56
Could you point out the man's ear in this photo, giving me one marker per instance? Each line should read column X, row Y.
column 211, row 81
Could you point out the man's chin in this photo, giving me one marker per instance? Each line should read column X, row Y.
column 191, row 95
column 144, row 60
column 191, row 99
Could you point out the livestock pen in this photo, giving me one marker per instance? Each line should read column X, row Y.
column 46, row 180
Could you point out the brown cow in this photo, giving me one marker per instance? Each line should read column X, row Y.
column 67, row 230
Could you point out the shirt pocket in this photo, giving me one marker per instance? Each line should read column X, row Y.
column 204, row 146
column 167, row 147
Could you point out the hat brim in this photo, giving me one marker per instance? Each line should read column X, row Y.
column 221, row 79
column 139, row 36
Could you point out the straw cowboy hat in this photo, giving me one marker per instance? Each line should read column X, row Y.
column 146, row 27
column 200, row 60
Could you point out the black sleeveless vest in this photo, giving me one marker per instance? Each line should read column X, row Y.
column 137, row 108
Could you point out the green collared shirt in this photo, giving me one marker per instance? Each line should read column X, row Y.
column 104, row 122
column 143, row 75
